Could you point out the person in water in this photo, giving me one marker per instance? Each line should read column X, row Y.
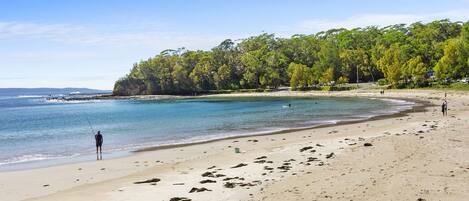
column 99, row 143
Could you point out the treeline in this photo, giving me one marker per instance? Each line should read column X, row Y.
column 404, row 55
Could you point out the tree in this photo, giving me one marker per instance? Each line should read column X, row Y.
column 390, row 64
column 300, row 76
column 415, row 70
column 401, row 53
column 454, row 62
column 223, row 77
column 328, row 58
column 203, row 72
column 328, row 76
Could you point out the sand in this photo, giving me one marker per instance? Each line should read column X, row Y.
column 420, row 155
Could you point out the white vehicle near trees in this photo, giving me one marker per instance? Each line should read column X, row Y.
column 465, row 80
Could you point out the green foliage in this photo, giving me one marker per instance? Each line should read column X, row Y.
column 300, row 76
column 382, row 82
column 391, row 63
column 454, row 62
column 415, row 70
column 398, row 55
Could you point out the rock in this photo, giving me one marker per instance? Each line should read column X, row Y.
column 367, row 144
column 45, row 185
column 262, row 157
column 179, row 199
column 198, row 190
column 148, row 181
column 208, row 181
column 240, row 165
column 260, row 161
column 211, row 167
column 421, row 199
column 330, row 155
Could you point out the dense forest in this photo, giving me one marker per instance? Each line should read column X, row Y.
column 414, row 55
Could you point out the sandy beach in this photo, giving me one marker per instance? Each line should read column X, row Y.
column 417, row 155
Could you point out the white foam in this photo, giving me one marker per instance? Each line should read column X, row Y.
column 29, row 158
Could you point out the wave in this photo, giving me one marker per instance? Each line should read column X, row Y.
column 29, row 158
column 30, row 96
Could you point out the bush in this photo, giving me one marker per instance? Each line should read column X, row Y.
column 325, row 88
column 382, row 82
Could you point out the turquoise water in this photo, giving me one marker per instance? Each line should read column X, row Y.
column 35, row 132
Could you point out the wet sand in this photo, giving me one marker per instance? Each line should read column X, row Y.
column 415, row 155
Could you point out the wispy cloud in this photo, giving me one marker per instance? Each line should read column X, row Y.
column 381, row 20
column 34, row 30
column 71, row 34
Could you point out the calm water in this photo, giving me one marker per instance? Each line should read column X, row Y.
column 35, row 132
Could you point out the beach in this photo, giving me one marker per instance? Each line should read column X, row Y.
column 414, row 155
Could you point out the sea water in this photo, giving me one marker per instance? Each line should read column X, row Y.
column 36, row 132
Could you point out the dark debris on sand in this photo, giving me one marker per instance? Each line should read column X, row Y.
column 211, row 174
column 208, row 181
column 234, row 184
column 179, row 199
column 198, row 190
column 154, row 180
column 367, row 144
column 240, row 165
column 305, row 148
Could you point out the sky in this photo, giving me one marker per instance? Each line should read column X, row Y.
column 92, row 43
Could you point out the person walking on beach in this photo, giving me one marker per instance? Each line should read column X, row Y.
column 444, row 108
column 99, row 143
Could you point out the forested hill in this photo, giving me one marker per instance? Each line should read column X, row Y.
column 404, row 55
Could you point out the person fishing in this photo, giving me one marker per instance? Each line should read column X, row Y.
column 99, row 143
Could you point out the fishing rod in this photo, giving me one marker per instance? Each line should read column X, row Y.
column 91, row 126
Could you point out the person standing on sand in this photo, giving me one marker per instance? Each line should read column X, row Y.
column 99, row 143
column 446, row 108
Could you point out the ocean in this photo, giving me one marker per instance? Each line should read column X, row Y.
column 37, row 132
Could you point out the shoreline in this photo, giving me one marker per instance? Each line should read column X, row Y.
column 396, row 137
column 417, row 105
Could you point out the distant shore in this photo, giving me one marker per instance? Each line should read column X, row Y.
column 326, row 162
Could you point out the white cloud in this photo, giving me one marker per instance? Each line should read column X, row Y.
column 71, row 34
column 34, row 30
column 381, row 20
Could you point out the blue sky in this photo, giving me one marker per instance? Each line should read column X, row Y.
column 91, row 43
